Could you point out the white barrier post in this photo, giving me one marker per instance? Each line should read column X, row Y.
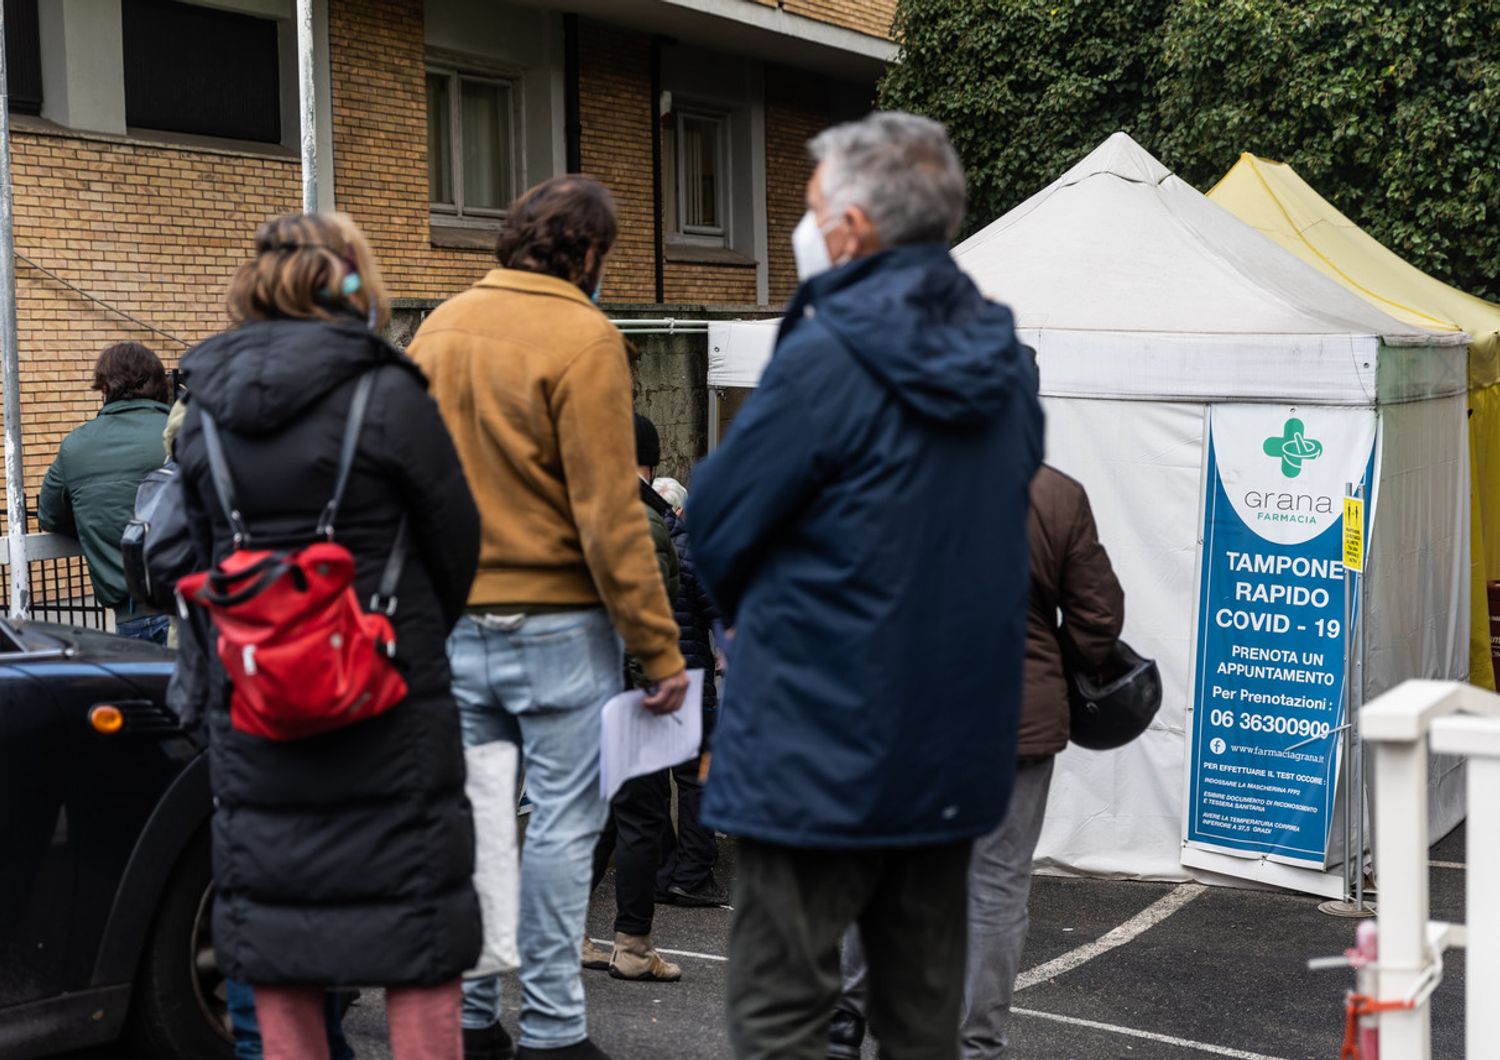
column 1401, row 856
column 1482, row 912
column 1477, row 737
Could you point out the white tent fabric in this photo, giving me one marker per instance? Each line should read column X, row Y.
column 738, row 351
column 1147, row 303
column 1118, row 244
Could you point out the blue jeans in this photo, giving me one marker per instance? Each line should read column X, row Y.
column 246, row 1027
column 541, row 681
column 145, row 627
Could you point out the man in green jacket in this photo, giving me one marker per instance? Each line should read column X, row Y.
column 89, row 492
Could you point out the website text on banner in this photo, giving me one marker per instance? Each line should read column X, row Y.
column 1268, row 699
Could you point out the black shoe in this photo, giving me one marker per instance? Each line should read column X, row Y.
column 584, row 1050
column 708, row 893
column 488, row 1043
column 845, row 1035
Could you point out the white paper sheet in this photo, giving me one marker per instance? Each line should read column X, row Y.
column 634, row 742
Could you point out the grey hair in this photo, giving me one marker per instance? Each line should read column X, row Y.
column 901, row 169
column 671, row 491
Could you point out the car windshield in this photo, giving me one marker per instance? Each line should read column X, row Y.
column 27, row 638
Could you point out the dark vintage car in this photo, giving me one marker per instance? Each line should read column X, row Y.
column 105, row 880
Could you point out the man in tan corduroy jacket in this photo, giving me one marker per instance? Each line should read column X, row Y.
column 533, row 383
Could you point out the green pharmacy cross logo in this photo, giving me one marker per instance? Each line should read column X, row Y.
column 1293, row 448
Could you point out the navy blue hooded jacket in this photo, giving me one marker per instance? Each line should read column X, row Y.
column 863, row 528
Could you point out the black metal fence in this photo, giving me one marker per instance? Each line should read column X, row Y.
column 60, row 587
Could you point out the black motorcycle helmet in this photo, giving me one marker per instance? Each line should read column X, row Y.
column 1114, row 706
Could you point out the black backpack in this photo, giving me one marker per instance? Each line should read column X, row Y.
column 156, row 547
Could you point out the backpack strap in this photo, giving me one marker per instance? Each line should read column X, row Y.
column 223, row 485
column 352, row 428
column 384, row 600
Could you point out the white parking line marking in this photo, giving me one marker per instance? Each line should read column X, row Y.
column 1142, row 922
column 1150, row 1036
column 670, row 953
column 690, row 953
column 1447, row 865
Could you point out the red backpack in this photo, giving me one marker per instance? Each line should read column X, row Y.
column 303, row 655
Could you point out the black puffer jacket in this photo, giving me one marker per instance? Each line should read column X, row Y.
column 696, row 615
column 343, row 859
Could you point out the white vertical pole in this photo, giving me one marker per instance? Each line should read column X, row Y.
column 1482, row 970
column 1401, row 850
column 307, row 106
column 15, row 480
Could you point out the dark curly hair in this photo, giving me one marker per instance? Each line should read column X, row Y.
column 129, row 370
column 553, row 227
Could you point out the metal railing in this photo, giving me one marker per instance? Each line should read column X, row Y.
column 59, row 580
column 1403, row 726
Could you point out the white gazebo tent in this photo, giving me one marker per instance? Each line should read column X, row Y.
column 1149, row 305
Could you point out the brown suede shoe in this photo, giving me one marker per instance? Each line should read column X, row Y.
column 636, row 958
column 595, row 957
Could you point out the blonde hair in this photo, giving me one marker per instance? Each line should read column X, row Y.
column 299, row 271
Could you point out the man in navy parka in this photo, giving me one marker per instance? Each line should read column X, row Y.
column 863, row 529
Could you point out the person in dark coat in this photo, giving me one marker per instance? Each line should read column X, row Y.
column 687, row 871
column 640, row 815
column 863, row 529
column 89, row 491
column 1072, row 581
column 344, row 859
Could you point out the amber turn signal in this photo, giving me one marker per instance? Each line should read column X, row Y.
column 106, row 719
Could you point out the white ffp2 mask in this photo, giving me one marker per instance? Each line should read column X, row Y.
column 810, row 248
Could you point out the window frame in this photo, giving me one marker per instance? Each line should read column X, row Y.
column 280, row 26
column 701, row 235
column 458, row 71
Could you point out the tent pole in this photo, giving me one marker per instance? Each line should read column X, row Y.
column 713, row 418
column 15, row 481
column 306, row 93
column 1359, row 702
column 1351, row 706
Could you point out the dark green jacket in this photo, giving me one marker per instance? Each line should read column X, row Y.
column 89, row 491
column 666, row 560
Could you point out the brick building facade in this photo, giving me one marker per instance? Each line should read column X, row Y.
column 695, row 115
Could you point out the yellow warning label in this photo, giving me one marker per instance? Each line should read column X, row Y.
column 1354, row 533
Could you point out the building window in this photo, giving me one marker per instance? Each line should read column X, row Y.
column 695, row 155
column 23, row 57
column 201, row 70
column 471, row 146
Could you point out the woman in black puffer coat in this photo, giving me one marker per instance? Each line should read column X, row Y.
column 346, row 858
column 687, row 872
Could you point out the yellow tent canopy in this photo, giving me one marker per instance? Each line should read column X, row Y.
column 1272, row 198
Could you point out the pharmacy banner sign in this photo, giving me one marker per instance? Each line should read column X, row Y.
column 1269, row 676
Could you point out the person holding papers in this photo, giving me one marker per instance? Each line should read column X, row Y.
column 641, row 814
column 533, row 383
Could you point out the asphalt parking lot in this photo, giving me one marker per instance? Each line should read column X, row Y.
column 1201, row 972
column 1223, row 973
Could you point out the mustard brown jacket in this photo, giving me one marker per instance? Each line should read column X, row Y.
column 533, row 383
